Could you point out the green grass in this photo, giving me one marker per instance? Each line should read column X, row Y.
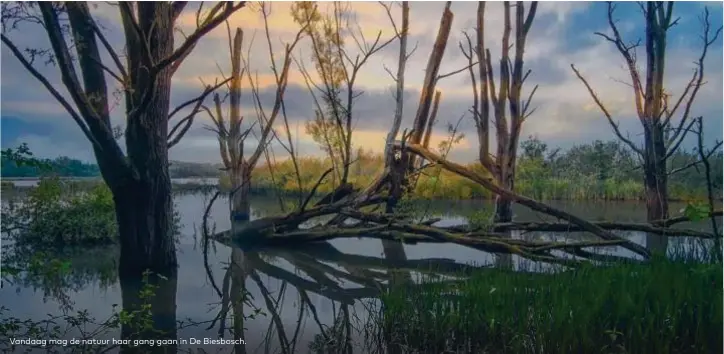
column 663, row 307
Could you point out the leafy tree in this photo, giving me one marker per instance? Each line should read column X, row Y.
column 326, row 128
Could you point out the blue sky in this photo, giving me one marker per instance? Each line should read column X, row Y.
column 562, row 34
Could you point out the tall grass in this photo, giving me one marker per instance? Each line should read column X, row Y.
column 663, row 307
column 435, row 183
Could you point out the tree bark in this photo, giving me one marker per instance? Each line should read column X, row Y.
column 143, row 203
column 507, row 98
column 656, row 185
column 503, row 205
column 144, row 214
column 662, row 136
column 239, row 204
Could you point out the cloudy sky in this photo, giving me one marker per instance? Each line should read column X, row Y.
column 562, row 34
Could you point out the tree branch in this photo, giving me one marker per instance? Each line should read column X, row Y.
column 48, row 86
column 189, row 119
column 613, row 124
column 207, row 26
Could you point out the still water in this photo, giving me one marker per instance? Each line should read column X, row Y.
column 293, row 295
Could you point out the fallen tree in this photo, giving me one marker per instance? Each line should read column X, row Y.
column 285, row 229
column 353, row 215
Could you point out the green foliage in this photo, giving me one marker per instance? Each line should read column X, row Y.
column 696, row 211
column 60, row 213
column 20, row 162
column 327, row 128
column 57, row 273
column 64, row 213
column 366, row 167
column 409, row 208
column 481, row 219
column 23, row 157
column 663, row 307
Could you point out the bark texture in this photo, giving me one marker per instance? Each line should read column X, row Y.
column 144, row 207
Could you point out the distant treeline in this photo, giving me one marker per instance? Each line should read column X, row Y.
column 69, row 167
column 61, row 166
column 598, row 170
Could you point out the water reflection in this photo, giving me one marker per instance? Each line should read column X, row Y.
column 346, row 284
column 318, row 298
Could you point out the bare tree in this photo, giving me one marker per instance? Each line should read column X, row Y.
column 704, row 158
column 510, row 86
column 663, row 134
column 230, row 135
column 139, row 179
column 393, row 166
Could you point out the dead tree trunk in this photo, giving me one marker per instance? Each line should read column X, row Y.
column 394, row 170
column 662, row 135
column 428, row 86
column 400, row 168
column 231, row 137
column 139, row 182
column 239, row 204
column 511, row 79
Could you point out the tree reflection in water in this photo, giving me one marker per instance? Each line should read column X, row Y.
column 343, row 279
column 349, row 284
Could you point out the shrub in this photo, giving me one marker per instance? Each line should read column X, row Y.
column 61, row 213
column 58, row 213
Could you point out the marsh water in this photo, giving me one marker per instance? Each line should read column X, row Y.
column 300, row 292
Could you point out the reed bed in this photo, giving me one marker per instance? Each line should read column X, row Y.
column 668, row 306
column 435, row 183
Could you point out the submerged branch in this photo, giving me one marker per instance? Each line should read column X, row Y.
column 566, row 227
